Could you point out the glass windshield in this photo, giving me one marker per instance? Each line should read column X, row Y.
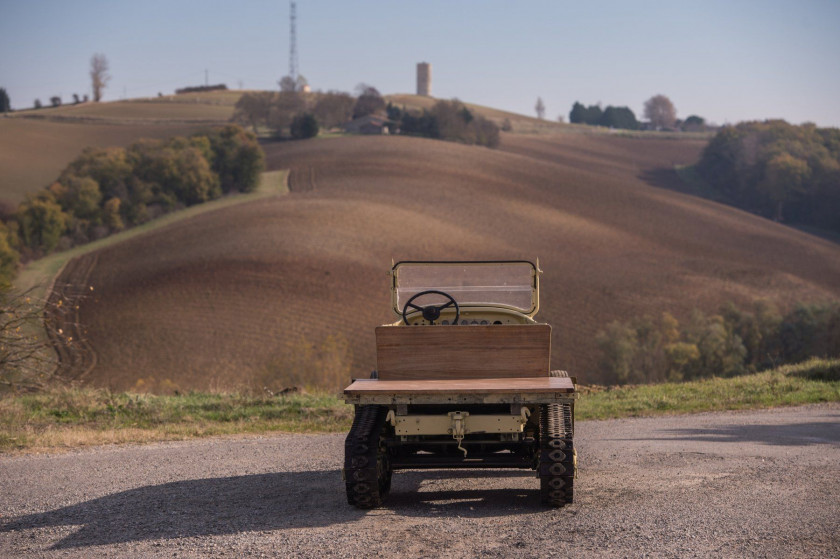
column 509, row 284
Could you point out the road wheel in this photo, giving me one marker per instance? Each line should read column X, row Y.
column 558, row 458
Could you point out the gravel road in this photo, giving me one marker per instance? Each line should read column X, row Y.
column 738, row 484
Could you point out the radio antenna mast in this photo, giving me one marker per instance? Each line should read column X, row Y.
column 293, row 57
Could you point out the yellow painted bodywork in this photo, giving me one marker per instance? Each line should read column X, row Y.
column 457, row 423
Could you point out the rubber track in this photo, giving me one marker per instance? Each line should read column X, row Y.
column 557, row 461
column 367, row 475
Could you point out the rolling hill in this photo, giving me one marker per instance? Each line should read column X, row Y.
column 217, row 300
column 35, row 146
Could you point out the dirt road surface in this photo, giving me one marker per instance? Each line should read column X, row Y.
column 742, row 484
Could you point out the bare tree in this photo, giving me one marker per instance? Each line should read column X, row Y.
column 254, row 109
column 660, row 111
column 540, row 108
column 287, row 83
column 285, row 105
column 369, row 102
column 365, row 89
column 334, row 108
column 99, row 75
column 25, row 358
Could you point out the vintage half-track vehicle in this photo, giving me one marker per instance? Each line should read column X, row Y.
column 463, row 380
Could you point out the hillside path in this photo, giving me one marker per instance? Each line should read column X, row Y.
column 737, row 484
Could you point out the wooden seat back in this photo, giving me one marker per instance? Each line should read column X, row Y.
column 463, row 352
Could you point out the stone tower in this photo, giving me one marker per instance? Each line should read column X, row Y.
column 424, row 79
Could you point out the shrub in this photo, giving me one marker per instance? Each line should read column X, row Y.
column 453, row 121
column 109, row 167
column 175, row 168
column 334, row 108
column 304, row 126
column 78, row 196
column 9, row 257
column 237, row 158
column 730, row 343
column 41, row 223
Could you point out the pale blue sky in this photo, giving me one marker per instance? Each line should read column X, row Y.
column 724, row 60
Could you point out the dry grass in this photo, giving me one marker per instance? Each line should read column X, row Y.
column 64, row 418
column 213, row 301
column 71, row 418
column 814, row 381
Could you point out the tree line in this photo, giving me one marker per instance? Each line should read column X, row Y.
column 611, row 117
column 729, row 343
column 276, row 111
column 201, row 88
column 106, row 190
column 293, row 113
column 659, row 112
column 781, row 171
column 446, row 120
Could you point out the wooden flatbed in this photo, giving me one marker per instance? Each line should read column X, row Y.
column 529, row 390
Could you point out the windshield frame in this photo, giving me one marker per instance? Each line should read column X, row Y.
column 535, row 283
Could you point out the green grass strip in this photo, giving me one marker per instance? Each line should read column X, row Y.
column 68, row 418
column 38, row 274
column 814, row 381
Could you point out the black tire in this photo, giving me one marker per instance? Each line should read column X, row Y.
column 367, row 471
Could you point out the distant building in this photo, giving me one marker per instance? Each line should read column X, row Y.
column 424, row 79
column 369, row 124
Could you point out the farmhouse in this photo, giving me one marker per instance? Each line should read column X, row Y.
column 369, row 124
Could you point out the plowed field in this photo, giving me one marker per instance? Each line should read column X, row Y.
column 211, row 301
column 33, row 152
column 35, row 146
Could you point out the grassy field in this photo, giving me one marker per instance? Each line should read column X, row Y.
column 70, row 418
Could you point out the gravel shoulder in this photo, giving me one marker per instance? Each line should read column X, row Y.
column 736, row 484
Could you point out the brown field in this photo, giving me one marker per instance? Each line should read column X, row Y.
column 147, row 111
column 33, row 152
column 212, row 301
column 35, row 146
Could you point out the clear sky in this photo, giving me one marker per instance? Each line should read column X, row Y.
column 726, row 61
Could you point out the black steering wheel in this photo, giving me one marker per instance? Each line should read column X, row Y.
column 431, row 312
